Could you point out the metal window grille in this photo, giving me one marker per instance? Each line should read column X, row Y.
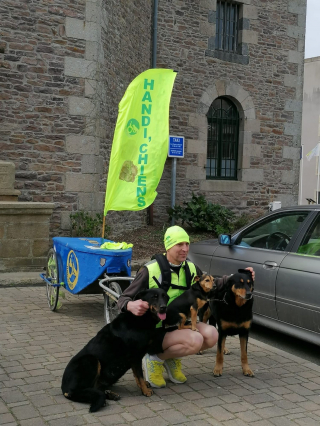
column 227, row 26
column 223, row 139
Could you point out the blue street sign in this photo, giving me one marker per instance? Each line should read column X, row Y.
column 176, row 146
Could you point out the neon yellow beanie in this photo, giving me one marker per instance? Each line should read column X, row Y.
column 175, row 235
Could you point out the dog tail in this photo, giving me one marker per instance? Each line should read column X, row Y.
column 94, row 397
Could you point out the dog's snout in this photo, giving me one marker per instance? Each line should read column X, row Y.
column 248, row 295
column 163, row 309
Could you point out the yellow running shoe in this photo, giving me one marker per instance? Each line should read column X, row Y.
column 153, row 371
column 173, row 367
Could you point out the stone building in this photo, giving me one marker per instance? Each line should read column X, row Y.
column 64, row 67
column 310, row 135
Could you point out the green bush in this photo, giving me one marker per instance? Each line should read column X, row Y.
column 241, row 221
column 201, row 215
column 84, row 224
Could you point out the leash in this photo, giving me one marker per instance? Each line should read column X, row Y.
column 224, row 299
column 220, row 300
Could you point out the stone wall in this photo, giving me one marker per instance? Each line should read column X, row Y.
column 266, row 87
column 24, row 235
column 64, row 67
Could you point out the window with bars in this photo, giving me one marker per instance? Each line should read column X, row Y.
column 227, row 26
column 223, row 139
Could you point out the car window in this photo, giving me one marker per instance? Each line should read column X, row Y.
column 273, row 233
column 310, row 244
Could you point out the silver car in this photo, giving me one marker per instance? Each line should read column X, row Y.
column 283, row 247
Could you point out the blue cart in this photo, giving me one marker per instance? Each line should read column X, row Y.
column 82, row 267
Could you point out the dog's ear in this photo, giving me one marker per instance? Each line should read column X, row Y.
column 196, row 278
column 140, row 295
column 230, row 281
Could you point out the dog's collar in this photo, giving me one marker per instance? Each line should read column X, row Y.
column 221, row 300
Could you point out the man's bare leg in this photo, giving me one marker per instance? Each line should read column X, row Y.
column 180, row 343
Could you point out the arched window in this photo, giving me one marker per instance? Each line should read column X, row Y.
column 223, row 140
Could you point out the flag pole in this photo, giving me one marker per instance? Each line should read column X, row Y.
column 103, row 226
column 301, row 173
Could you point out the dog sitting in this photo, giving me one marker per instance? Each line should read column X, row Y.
column 231, row 309
column 188, row 303
column 116, row 348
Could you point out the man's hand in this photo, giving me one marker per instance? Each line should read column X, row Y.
column 252, row 272
column 138, row 307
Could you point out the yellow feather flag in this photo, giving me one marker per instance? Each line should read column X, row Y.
column 140, row 142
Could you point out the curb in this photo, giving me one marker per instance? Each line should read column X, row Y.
column 16, row 279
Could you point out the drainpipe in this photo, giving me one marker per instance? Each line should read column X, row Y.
column 155, row 33
column 154, row 65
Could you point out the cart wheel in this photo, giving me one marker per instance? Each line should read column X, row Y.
column 110, row 303
column 52, row 274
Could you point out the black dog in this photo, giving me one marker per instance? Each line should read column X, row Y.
column 231, row 309
column 188, row 303
column 116, row 348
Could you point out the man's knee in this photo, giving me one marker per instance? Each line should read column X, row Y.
column 195, row 341
column 210, row 336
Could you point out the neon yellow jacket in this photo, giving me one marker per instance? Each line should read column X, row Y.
column 154, row 271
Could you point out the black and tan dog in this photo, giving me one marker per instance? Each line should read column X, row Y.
column 188, row 303
column 231, row 309
column 116, row 348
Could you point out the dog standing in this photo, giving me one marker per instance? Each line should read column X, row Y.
column 116, row 348
column 188, row 303
column 231, row 309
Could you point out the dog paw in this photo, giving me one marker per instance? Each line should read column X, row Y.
column 148, row 393
column 248, row 372
column 195, row 329
column 226, row 351
column 112, row 396
column 199, row 353
column 96, row 406
column 148, row 384
column 217, row 372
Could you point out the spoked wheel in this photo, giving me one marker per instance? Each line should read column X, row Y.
column 52, row 275
column 110, row 302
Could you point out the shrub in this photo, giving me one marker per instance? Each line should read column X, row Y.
column 241, row 221
column 201, row 215
column 84, row 224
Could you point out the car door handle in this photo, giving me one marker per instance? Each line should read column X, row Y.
column 270, row 265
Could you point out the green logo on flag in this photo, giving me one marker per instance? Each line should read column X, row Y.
column 133, row 127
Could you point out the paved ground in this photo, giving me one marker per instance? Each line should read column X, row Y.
column 36, row 344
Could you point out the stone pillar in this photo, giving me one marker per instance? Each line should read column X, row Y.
column 24, row 235
column 7, row 176
column 24, row 227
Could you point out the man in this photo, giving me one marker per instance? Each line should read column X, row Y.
column 170, row 344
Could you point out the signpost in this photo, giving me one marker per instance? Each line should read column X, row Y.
column 176, row 147
column 176, row 150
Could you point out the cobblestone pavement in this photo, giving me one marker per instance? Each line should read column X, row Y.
column 36, row 345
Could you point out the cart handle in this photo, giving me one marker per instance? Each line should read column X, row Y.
column 107, row 289
column 48, row 281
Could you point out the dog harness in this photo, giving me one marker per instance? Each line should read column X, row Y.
column 161, row 275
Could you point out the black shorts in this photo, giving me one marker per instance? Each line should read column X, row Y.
column 156, row 345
